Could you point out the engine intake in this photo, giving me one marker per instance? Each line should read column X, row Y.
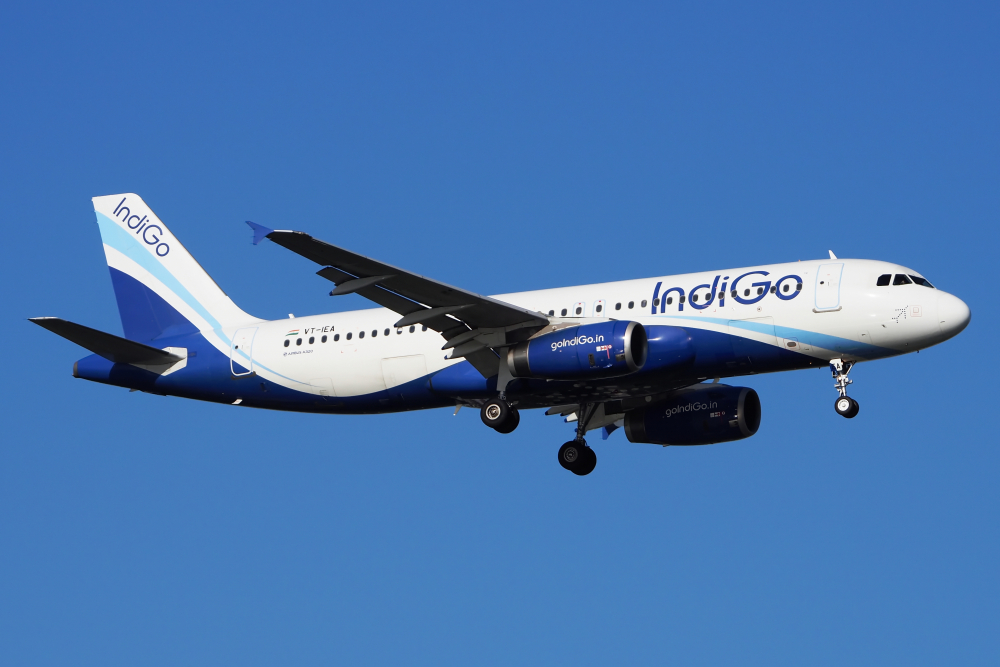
column 599, row 350
column 702, row 415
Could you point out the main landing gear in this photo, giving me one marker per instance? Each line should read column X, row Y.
column 844, row 405
column 499, row 416
column 575, row 455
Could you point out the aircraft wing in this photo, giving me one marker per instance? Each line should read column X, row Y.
column 473, row 325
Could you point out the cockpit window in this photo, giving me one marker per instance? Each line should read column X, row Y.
column 921, row 281
column 900, row 279
column 884, row 280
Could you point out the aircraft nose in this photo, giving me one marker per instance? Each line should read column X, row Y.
column 953, row 314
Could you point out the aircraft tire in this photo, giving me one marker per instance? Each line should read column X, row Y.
column 495, row 412
column 570, row 453
column 587, row 462
column 846, row 407
column 513, row 419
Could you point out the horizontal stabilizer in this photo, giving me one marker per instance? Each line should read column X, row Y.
column 114, row 349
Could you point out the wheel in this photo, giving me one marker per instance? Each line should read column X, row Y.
column 846, row 407
column 569, row 454
column 513, row 419
column 577, row 457
column 855, row 409
column 495, row 412
column 587, row 462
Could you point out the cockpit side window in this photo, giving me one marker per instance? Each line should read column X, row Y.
column 921, row 281
column 884, row 280
column 901, row 279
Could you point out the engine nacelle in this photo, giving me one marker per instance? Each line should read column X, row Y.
column 702, row 415
column 670, row 349
column 599, row 350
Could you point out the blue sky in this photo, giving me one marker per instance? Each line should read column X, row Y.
column 500, row 148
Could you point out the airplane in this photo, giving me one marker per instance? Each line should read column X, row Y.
column 643, row 355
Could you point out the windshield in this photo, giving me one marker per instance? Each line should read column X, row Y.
column 921, row 281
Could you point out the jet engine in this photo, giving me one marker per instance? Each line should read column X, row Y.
column 701, row 415
column 599, row 350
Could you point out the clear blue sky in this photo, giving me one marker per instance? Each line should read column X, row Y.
column 499, row 147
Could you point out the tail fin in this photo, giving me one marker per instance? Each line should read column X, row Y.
column 161, row 289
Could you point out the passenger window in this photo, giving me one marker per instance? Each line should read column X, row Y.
column 643, row 304
column 336, row 337
column 298, row 341
column 733, row 294
column 773, row 289
column 760, row 290
column 423, row 328
column 323, row 339
column 883, row 280
column 579, row 310
column 385, row 333
column 349, row 334
column 680, row 300
column 413, row 328
column 399, row 331
column 287, row 342
column 670, row 300
column 599, row 308
column 656, row 301
column 785, row 287
column 563, row 312
column 552, row 313
column 631, row 304
column 746, row 292
column 312, row 339
column 694, row 297
column 798, row 287
column 361, row 334
column 618, row 306
column 900, row 279
column 921, row 281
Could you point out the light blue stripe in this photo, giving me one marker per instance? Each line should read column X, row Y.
column 117, row 238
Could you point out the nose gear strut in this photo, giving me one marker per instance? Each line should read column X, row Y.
column 844, row 405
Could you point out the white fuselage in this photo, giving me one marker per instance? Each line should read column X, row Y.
column 837, row 310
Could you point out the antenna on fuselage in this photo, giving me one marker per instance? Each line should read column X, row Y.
column 832, row 256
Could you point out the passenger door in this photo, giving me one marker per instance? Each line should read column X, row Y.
column 241, row 352
column 828, row 286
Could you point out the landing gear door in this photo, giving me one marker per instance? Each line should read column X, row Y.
column 828, row 286
column 241, row 352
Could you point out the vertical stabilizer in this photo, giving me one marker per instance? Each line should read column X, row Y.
column 160, row 288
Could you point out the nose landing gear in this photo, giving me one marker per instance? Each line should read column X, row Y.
column 844, row 405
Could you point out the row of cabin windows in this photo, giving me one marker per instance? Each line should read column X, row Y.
column 694, row 297
column 350, row 335
column 902, row 279
column 600, row 307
